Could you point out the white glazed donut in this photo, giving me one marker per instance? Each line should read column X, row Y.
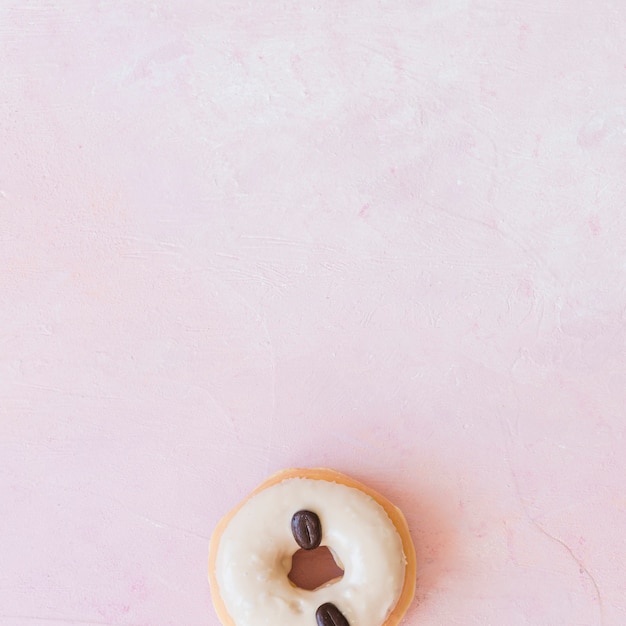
column 252, row 548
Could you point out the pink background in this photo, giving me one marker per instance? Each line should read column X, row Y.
column 385, row 237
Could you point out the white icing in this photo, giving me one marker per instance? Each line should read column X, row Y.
column 255, row 551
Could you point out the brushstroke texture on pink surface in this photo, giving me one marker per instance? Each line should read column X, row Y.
column 388, row 238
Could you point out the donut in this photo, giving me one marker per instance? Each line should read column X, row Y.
column 251, row 550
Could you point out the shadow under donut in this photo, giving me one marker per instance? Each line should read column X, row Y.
column 311, row 569
column 431, row 528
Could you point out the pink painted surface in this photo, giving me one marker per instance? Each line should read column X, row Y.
column 388, row 238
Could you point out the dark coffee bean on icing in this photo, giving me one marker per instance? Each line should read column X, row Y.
column 329, row 615
column 306, row 529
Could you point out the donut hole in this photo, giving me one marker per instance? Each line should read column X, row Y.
column 311, row 569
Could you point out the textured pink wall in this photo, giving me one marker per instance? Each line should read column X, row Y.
column 387, row 237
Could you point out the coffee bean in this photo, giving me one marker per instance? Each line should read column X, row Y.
column 329, row 615
column 306, row 529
